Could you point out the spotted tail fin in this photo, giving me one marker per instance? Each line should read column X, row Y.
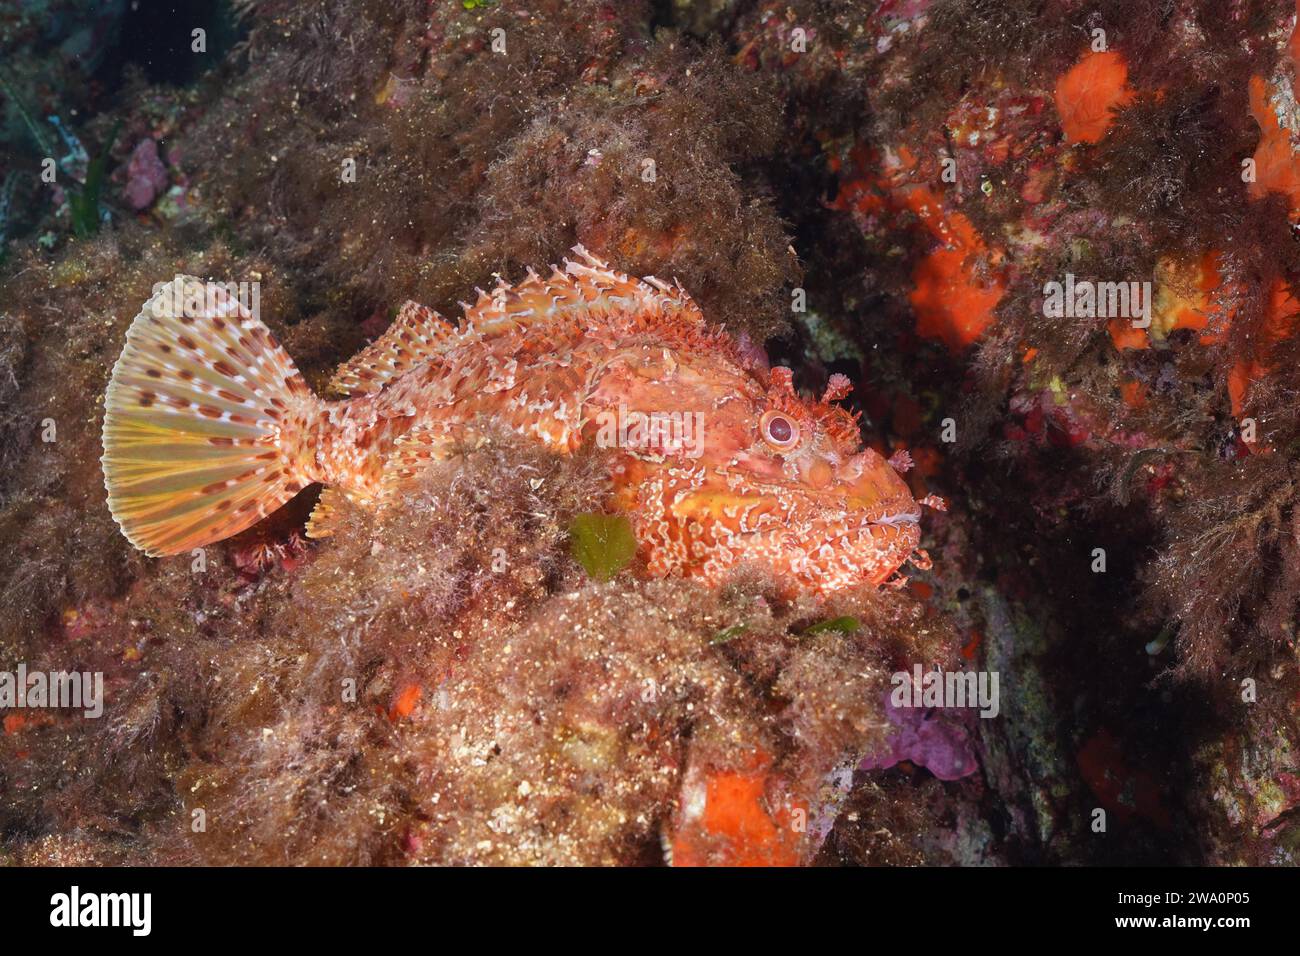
column 205, row 423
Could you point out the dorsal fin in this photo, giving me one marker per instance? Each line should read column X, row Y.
column 580, row 286
column 416, row 335
column 570, row 297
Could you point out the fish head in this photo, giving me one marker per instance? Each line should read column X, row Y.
column 772, row 479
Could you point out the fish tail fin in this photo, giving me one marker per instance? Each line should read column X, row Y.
column 207, row 422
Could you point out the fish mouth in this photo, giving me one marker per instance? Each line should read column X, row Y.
column 812, row 514
column 832, row 522
column 879, row 524
column 896, row 518
column 891, row 513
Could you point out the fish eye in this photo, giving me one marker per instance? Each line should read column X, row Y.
column 779, row 431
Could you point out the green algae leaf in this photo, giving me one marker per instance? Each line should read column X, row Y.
column 729, row 633
column 43, row 141
column 603, row 544
column 846, row 625
column 84, row 202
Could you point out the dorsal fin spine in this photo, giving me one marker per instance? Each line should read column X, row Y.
column 416, row 335
column 585, row 284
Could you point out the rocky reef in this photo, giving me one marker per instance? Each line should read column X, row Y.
column 922, row 195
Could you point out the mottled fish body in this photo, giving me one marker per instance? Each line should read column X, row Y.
column 717, row 461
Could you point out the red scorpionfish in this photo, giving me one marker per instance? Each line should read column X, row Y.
column 715, row 459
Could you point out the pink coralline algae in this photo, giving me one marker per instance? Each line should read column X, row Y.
column 146, row 176
column 929, row 737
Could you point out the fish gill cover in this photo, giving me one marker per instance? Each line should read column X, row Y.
column 604, row 568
